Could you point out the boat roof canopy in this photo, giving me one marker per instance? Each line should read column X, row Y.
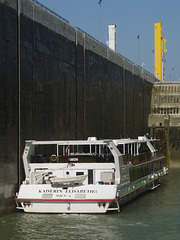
column 90, row 141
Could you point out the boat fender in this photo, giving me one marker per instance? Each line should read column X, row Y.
column 54, row 158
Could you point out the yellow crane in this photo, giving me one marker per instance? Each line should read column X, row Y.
column 159, row 50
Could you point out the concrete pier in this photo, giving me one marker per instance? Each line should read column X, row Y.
column 59, row 83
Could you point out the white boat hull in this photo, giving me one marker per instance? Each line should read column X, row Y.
column 80, row 199
column 65, row 207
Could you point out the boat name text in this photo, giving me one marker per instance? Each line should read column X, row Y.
column 67, row 191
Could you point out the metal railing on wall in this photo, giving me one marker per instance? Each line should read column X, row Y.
column 65, row 20
column 104, row 45
column 51, row 11
column 87, row 34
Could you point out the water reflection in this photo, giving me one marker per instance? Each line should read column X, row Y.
column 35, row 226
column 154, row 215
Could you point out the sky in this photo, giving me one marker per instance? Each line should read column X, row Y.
column 132, row 18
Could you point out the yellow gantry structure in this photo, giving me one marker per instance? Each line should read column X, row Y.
column 159, row 50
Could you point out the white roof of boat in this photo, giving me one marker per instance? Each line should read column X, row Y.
column 88, row 142
column 67, row 142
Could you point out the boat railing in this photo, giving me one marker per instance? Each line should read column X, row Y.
column 80, row 158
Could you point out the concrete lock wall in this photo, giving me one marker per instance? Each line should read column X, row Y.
column 8, row 104
column 59, row 83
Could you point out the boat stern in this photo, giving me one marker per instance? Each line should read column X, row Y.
column 67, row 199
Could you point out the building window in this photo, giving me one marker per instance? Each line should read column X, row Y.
column 168, row 99
column 155, row 99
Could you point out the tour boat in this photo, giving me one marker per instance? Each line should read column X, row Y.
column 88, row 176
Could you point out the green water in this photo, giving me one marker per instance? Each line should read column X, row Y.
column 154, row 215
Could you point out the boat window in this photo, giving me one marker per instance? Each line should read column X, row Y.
column 120, row 147
column 140, row 171
column 126, row 148
column 67, row 150
column 143, row 153
column 43, row 153
column 129, row 148
column 143, row 148
column 60, row 150
column 107, row 155
column 70, row 150
column 84, row 149
column 79, row 173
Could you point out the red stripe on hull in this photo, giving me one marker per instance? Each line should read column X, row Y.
column 65, row 200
